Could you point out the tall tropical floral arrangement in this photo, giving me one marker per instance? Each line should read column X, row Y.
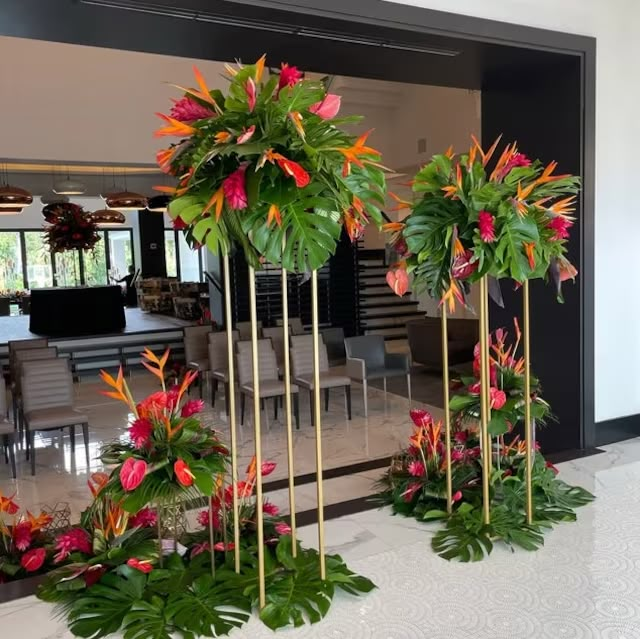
column 267, row 166
column 509, row 219
column 70, row 228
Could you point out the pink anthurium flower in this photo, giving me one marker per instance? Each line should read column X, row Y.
column 398, row 280
column 250, row 90
column 246, row 134
column 132, row 473
column 268, row 467
column 328, row 108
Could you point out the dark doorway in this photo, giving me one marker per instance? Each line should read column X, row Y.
column 538, row 87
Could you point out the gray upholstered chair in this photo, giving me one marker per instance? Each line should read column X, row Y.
column 219, row 364
column 196, row 350
column 367, row 360
column 47, row 403
column 295, row 325
column 8, row 433
column 302, row 372
column 276, row 335
column 334, row 341
column 270, row 384
column 15, row 346
column 244, row 329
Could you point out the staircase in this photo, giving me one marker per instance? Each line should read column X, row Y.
column 382, row 312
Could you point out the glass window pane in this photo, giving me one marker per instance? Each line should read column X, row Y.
column 67, row 268
column 120, row 253
column 10, row 261
column 189, row 261
column 39, row 270
column 95, row 264
column 170, row 253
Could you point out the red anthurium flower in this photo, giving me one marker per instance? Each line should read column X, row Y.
column 486, row 226
column 140, row 432
column 132, row 473
column 474, row 389
column 327, row 108
column 220, row 547
column 497, row 398
column 421, row 417
column 416, row 469
column 283, row 529
column 246, row 134
column 464, row 265
column 94, row 574
column 289, row 76
column 183, row 473
column 192, row 407
column 412, row 489
column 33, row 559
column 398, row 280
column 235, row 190
column 294, row 170
column 143, row 565
column 250, row 90
column 457, row 496
column 268, row 467
column 198, row 549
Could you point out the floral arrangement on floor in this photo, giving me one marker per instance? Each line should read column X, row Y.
column 512, row 222
column 267, row 163
column 123, row 569
column 415, row 485
column 70, row 228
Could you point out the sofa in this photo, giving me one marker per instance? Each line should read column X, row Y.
column 425, row 341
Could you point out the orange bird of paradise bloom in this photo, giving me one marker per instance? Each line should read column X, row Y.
column 485, row 157
column 203, row 93
column 274, row 216
column 452, row 294
column 217, row 200
column 174, row 127
column 353, row 154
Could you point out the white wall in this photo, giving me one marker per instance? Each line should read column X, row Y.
column 614, row 23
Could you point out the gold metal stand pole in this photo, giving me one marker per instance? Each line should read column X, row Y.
column 318, row 425
column 487, row 364
column 257, row 433
column 211, row 540
column 232, row 410
column 527, row 401
column 287, row 402
column 447, row 415
column 484, row 401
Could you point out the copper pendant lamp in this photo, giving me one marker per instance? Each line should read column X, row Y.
column 126, row 201
column 13, row 197
column 11, row 210
column 108, row 217
column 158, row 203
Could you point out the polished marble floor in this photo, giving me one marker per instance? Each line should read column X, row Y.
column 583, row 584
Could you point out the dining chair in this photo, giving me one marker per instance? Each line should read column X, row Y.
column 368, row 360
column 47, row 403
column 219, row 364
column 244, row 328
column 271, row 386
column 276, row 335
column 295, row 325
column 8, row 433
column 303, row 373
column 196, row 350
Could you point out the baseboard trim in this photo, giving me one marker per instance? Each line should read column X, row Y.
column 617, row 430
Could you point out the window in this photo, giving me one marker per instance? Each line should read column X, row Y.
column 94, row 263
column 11, row 274
column 120, row 252
column 38, row 259
column 170, row 255
column 182, row 262
column 66, row 270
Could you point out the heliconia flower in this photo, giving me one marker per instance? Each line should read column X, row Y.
column 274, row 215
column 132, row 473
column 22, row 535
column 289, row 76
column 192, row 407
column 222, row 137
column 183, row 472
column 486, row 226
column 416, row 468
column 33, row 559
column 145, row 518
column 179, row 224
column 529, row 248
column 267, row 468
column 220, row 547
column 294, row 170
column 355, row 220
column 246, row 134
column 412, row 489
column 235, row 190
column 7, row 505
column 457, row 496
column 398, row 281
column 464, row 265
column 328, row 108
column 72, row 540
column 560, row 227
column 421, row 417
column 283, row 529
column 250, row 90
column 143, row 565
column 188, row 110
column 140, row 432
column 270, row 509
column 497, row 398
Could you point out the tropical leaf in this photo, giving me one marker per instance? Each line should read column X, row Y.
column 147, row 620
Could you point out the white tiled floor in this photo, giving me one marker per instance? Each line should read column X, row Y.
column 584, row 583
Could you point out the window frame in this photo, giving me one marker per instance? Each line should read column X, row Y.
column 177, row 245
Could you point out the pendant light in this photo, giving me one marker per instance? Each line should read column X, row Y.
column 158, row 203
column 108, row 217
column 15, row 210
column 54, row 198
column 125, row 200
column 12, row 198
column 69, row 186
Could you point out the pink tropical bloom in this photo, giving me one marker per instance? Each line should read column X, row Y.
column 22, row 535
column 412, row 489
column 235, row 190
column 143, row 565
column 192, row 407
column 289, row 76
column 560, row 227
column 270, row 509
column 73, row 540
column 327, row 108
column 246, row 134
column 457, row 496
column 517, row 159
column 188, row 110
column 457, row 455
column 398, row 281
column 421, row 417
column 497, row 398
column 33, row 559
column 461, row 436
column 198, row 549
column 283, row 529
column 268, row 467
column 464, row 265
column 551, row 467
column 250, row 90
column 220, row 547
column 179, row 224
column 140, row 432
column 416, row 468
column 474, row 389
column 205, row 516
column 486, row 226
column 145, row 518
column 132, row 473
